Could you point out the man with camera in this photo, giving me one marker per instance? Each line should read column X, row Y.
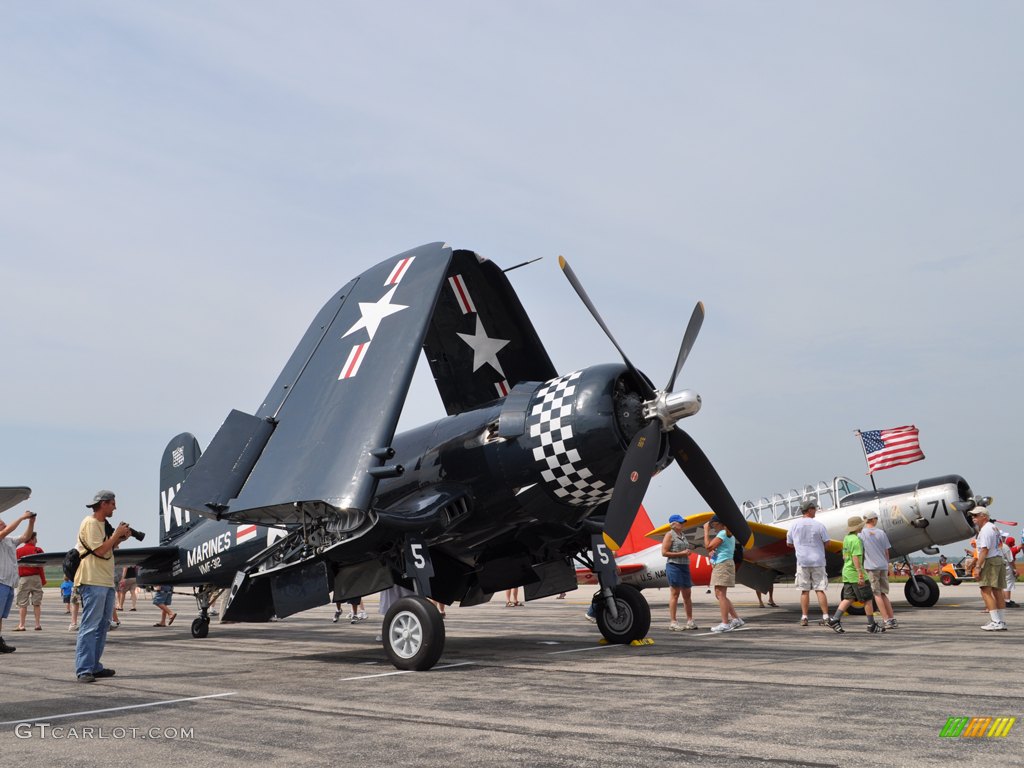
column 9, row 566
column 95, row 582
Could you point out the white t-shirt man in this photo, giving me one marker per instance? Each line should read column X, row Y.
column 808, row 537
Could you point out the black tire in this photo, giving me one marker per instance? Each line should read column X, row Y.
column 413, row 634
column 634, row 616
column 946, row 579
column 925, row 596
column 200, row 628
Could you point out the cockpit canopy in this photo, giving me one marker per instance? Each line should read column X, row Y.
column 786, row 506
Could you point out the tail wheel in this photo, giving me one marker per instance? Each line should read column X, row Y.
column 413, row 634
column 633, row 620
column 200, row 628
column 924, row 595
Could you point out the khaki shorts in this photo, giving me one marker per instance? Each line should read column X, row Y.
column 30, row 589
column 810, row 577
column 879, row 581
column 993, row 574
column 723, row 574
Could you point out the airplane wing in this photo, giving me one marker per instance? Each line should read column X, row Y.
column 12, row 496
column 480, row 342
column 309, row 448
column 147, row 557
column 769, row 549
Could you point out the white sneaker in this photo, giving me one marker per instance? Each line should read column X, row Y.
column 1001, row 627
column 736, row 623
column 73, row 628
column 349, row 615
column 590, row 618
column 362, row 616
column 691, row 624
column 674, row 626
column 993, row 626
column 722, row 628
column 337, row 615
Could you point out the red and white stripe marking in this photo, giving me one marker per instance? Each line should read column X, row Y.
column 502, row 387
column 462, row 294
column 399, row 271
column 245, row 533
column 355, row 359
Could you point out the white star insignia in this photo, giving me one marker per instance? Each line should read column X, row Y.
column 372, row 312
column 485, row 350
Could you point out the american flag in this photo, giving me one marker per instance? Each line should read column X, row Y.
column 885, row 448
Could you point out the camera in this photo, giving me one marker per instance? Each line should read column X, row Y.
column 138, row 535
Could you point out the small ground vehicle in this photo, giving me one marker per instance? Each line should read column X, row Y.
column 954, row 573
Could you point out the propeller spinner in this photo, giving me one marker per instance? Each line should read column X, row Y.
column 662, row 409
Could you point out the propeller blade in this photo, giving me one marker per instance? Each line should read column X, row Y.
column 692, row 329
column 646, row 389
column 709, row 485
column 631, row 484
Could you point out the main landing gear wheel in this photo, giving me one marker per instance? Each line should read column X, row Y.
column 925, row 595
column 200, row 628
column 633, row 621
column 413, row 634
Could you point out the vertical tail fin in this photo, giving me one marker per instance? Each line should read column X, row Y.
column 180, row 455
column 637, row 539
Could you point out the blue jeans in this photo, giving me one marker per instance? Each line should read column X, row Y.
column 93, row 624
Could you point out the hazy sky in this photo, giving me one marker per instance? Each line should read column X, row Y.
column 183, row 185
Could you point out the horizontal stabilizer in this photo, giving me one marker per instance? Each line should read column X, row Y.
column 144, row 557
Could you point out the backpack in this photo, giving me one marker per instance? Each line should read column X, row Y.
column 73, row 559
column 71, row 562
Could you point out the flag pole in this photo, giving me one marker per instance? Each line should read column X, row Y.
column 860, row 439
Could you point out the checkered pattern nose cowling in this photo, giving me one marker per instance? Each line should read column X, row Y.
column 550, row 421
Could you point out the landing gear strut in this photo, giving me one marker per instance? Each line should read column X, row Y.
column 204, row 596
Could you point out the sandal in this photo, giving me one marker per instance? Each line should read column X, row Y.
column 158, row 624
column 507, row 605
column 773, row 605
column 19, row 629
column 171, row 620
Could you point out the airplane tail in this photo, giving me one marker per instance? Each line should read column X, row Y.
column 637, row 539
column 180, row 455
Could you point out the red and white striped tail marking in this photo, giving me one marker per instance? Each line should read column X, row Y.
column 399, row 271
column 355, row 359
column 462, row 294
column 502, row 387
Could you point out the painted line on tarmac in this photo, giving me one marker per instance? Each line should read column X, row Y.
column 402, row 672
column 588, row 648
column 117, row 709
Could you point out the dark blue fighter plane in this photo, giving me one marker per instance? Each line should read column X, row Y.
column 314, row 498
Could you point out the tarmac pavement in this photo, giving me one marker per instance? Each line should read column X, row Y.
column 528, row 686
